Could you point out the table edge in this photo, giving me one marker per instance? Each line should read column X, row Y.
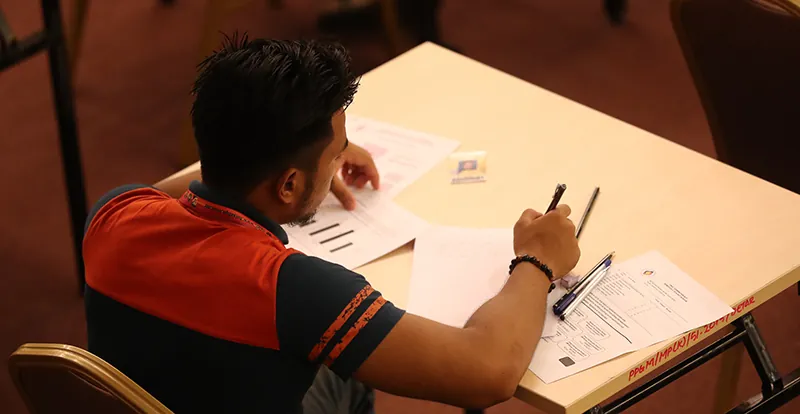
column 644, row 368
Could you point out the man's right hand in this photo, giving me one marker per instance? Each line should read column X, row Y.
column 549, row 237
column 424, row 359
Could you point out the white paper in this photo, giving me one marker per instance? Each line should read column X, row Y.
column 640, row 302
column 354, row 238
column 401, row 155
column 377, row 226
column 456, row 270
column 582, row 341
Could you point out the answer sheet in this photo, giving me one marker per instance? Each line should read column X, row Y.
column 456, row 270
column 354, row 238
column 378, row 225
column 640, row 302
column 401, row 155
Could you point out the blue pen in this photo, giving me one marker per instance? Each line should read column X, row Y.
column 585, row 291
column 562, row 304
column 564, row 301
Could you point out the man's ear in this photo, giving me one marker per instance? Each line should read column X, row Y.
column 289, row 186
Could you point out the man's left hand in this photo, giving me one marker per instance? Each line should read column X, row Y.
column 358, row 169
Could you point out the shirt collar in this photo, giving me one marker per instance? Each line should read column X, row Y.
column 203, row 191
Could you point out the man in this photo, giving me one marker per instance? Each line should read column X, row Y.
column 193, row 294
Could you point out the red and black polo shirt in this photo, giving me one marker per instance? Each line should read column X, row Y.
column 198, row 300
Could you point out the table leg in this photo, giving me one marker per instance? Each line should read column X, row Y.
column 728, row 380
column 757, row 350
column 67, row 126
column 729, row 340
column 775, row 391
column 769, row 402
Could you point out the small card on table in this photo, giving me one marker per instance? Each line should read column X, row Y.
column 468, row 167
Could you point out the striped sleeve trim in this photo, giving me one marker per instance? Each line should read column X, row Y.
column 354, row 330
column 340, row 320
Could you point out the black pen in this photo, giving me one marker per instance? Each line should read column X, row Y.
column 556, row 197
column 587, row 211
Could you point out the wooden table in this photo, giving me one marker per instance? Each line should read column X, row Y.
column 736, row 234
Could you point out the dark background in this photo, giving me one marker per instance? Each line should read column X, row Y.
column 132, row 88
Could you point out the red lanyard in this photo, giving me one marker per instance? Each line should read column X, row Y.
column 213, row 211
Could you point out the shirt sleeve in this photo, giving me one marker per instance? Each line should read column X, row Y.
column 329, row 315
column 108, row 197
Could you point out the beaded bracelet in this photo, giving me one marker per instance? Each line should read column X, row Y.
column 536, row 262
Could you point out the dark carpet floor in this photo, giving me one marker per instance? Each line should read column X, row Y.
column 132, row 96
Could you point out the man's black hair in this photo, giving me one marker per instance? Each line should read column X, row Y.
column 262, row 106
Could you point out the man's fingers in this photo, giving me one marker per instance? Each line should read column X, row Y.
column 371, row 172
column 364, row 165
column 360, row 177
column 343, row 194
column 359, row 162
column 530, row 214
column 361, row 181
column 564, row 210
column 347, row 174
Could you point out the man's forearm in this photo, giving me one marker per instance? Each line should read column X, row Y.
column 474, row 367
column 510, row 324
column 176, row 186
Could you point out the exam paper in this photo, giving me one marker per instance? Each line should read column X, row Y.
column 354, row 238
column 401, row 155
column 456, row 270
column 377, row 226
column 640, row 302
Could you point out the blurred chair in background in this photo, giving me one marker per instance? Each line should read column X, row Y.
column 74, row 32
column 77, row 20
column 615, row 10
column 56, row 378
column 743, row 56
column 417, row 20
column 216, row 12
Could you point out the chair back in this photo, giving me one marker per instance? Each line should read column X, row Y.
column 56, row 378
column 744, row 57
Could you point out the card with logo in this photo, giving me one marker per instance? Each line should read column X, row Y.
column 468, row 167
